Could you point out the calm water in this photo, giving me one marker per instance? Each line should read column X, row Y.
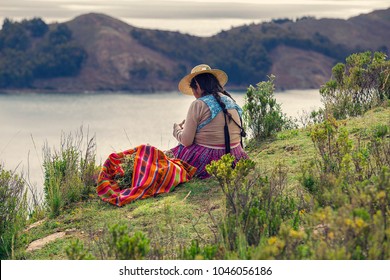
column 118, row 120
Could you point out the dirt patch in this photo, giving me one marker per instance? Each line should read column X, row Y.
column 39, row 243
column 34, row 225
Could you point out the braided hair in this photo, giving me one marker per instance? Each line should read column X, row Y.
column 209, row 83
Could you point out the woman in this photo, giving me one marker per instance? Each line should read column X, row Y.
column 213, row 124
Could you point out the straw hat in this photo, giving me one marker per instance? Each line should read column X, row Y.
column 184, row 84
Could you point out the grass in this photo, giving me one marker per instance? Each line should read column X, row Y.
column 176, row 217
column 172, row 220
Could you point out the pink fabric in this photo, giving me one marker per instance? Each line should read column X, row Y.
column 199, row 156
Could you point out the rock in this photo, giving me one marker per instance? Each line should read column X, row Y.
column 39, row 243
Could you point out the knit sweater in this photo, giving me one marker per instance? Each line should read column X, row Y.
column 212, row 134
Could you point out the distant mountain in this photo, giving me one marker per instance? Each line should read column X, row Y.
column 299, row 53
column 116, row 61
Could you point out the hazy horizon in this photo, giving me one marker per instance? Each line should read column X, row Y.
column 196, row 17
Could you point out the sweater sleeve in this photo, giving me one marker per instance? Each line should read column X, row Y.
column 186, row 135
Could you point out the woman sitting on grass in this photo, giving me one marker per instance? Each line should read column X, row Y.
column 213, row 124
column 211, row 129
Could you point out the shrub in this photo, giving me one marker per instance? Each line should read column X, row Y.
column 332, row 143
column 350, row 181
column 70, row 173
column 13, row 211
column 380, row 131
column 116, row 242
column 208, row 252
column 344, row 162
column 358, row 229
column 255, row 206
column 339, row 153
column 312, row 117
column 239, row 197
column 125, row 247
column 377, row 150
column 357, row 86
column 261, row 113
column 76, row 251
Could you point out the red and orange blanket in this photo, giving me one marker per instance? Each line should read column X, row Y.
column 154, row 173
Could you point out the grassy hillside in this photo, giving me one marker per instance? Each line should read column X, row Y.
column 192, row 210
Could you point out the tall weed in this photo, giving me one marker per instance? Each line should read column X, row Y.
column 13, row 211
column 70, row 172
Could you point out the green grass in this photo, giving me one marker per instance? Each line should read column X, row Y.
column 172, row 220
column 176, row 218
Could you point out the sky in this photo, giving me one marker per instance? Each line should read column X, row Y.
column 196, row 17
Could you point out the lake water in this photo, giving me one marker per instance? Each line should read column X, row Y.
column 119, row 121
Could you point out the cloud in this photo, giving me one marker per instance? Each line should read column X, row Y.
column 182, row 10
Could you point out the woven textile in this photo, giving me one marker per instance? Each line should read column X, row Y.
column 154, row 173
column 199, row 156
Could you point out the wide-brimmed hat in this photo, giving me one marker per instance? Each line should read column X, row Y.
column 184, row 84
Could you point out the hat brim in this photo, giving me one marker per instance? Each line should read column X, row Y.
column 184, row 84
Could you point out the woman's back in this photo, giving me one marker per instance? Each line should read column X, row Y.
column 212, row 134
column 204, row 136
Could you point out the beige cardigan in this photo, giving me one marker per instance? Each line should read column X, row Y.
column 212, row 134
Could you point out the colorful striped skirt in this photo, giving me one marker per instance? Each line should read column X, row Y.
column 153, row 173
column 200, row 156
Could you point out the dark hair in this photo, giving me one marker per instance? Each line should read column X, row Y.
column 210, row 84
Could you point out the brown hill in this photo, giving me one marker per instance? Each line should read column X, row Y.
column 120, row 60
column 299, row 68
column 115, row 61
column 368, row 31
